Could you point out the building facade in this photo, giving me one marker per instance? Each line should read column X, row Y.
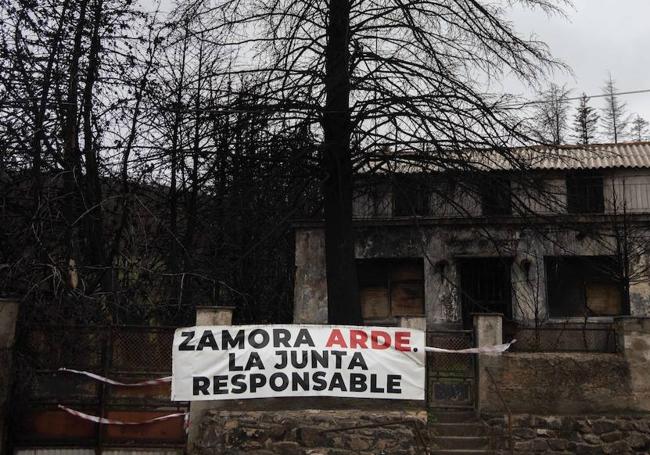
column 567, row 242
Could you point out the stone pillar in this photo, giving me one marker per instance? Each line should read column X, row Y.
column 310, row 285
column 8, row 317
column 488, row 330
column 205, row 315
column 214, row 315
column 633, row 339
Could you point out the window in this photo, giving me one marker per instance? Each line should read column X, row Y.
column 496, row 197
column 585, row 193
column 371, row 199
column 391, row 288
column 410, row 195
column 583, row 286
column 485, row 285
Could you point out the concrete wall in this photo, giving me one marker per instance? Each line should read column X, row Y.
column 571, row 382
column 557, row 383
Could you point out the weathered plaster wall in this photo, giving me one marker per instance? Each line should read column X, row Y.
column 629, row 185
column 441, row 245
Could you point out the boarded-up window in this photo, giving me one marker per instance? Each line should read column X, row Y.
column 391, row 288
column 583, row 286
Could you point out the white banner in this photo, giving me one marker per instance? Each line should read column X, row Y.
column 262, row 361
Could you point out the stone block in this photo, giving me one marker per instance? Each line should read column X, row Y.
column 637, row 441
column 590, row 438
column 617, row 448
column 603, row 426
column 558, row 444
column 287, row 448
column 311, row 437
column 539, row 445
column 523, row 433
column 612, row 436
column 586, row 449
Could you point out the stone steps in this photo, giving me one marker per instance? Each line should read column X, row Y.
column 457, row 429
column 459, row 452
column 457, row 432
column 461, row 442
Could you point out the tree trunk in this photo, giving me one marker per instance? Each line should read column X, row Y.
column 71, row 152
column 93, row 190
column 39, row 119
column 342, row 288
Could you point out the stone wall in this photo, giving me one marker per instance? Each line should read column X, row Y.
column 582, row 435
column 308, row 432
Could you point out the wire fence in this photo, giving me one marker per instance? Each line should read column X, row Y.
column 565, row 339
column 124, row 353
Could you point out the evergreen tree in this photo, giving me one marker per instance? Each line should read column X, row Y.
column 615, row 118
column 639, row 128
column 585, row 122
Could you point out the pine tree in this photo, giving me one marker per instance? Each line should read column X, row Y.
column 585, row 122
column 639, row 128
column 615, row 118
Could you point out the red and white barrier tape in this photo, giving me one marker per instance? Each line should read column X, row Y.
column 106, row 421
column 482, row 350
column 121, row 384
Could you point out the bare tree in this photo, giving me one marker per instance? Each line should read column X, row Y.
column 370, row 75
column 585, row 122
column 614, row 113
column 551, row 115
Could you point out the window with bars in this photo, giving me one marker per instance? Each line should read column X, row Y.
column 485, row 286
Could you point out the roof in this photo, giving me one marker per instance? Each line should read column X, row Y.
column 598, row 156
column 570, row 157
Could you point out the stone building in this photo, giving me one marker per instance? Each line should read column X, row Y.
column 564, row 242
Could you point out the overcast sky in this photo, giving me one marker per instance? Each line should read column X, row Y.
column 599, row 36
